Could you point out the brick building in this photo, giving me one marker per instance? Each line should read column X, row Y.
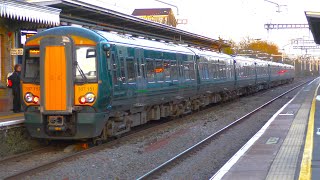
column 19, row 20
column 160, row 15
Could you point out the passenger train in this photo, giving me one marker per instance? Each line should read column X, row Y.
column 87, row 84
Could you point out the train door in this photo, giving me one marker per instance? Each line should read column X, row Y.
column 118, row 72
column 140, row 69
column 56, row 75
column 141, row 83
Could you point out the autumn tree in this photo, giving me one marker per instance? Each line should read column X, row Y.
column 230, row 50
column 260, row 47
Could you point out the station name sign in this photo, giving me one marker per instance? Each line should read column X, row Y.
column 16, row 52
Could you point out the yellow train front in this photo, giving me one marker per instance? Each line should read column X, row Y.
column 61, row 82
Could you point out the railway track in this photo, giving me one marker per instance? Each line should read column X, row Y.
column 69, row 157
column 137, row 133
column 192, row 151
column 18, row 157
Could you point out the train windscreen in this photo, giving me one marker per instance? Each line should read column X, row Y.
column 86, row 64
column 32, row 65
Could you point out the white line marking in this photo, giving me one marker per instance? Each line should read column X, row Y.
column 233, row 160
column 286, row 114
column 318, row 131
column 12, row 122
column 313, row 80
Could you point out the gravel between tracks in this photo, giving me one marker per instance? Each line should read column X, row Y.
column 139, row 155
column 30, row 161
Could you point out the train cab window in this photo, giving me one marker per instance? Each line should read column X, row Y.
column 130, row 70
column 32, row 65
column 86, row 60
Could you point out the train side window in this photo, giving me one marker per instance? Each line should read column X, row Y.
column 203, row 68
column 211, row 70
column 150, row 69
column 130, row 70
column 114, row 69
column 224, row 71
column 216, row 70
column 122, row 71
column 166, row 69
column 192, row 71
column 174, row 71
column 159, row 70
column 186, row 70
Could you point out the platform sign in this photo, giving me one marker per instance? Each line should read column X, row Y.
column 16, row 52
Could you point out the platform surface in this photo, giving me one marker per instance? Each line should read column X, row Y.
column 279, row 150
column 9, row 118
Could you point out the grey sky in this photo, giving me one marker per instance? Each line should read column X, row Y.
column 232, row 19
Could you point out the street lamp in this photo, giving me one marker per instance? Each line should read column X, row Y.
column 169, row 5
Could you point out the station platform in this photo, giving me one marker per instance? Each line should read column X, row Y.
column 286, row 147
column 11, row 119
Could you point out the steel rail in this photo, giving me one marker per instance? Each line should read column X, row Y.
column 184, row 153
column 19, row 156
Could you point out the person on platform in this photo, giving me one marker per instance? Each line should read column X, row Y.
column 15, row 78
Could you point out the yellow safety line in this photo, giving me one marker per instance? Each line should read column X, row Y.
column 305, row 169
column 11, row 116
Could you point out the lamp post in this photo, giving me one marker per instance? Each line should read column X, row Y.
column 169, row 5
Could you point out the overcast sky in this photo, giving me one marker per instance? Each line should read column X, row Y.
column 232, row 19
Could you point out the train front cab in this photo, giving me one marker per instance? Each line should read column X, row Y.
column 61, row 87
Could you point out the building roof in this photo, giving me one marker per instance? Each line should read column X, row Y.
column 25, row 11
column 314, row 24
column 97, row 17
column 151, row 12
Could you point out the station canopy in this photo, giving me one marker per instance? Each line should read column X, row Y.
column 314, row 24
column 24, row 11
column 97, row 17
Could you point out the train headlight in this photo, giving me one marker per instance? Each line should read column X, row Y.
column 28, row 97
column 90, row 97
column 82, row 100
column 35, row 99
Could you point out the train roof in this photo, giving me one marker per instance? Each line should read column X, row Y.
column 209, row 53
column 126, row 40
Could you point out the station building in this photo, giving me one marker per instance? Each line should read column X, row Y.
column 160, row 15
column 18, row 21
